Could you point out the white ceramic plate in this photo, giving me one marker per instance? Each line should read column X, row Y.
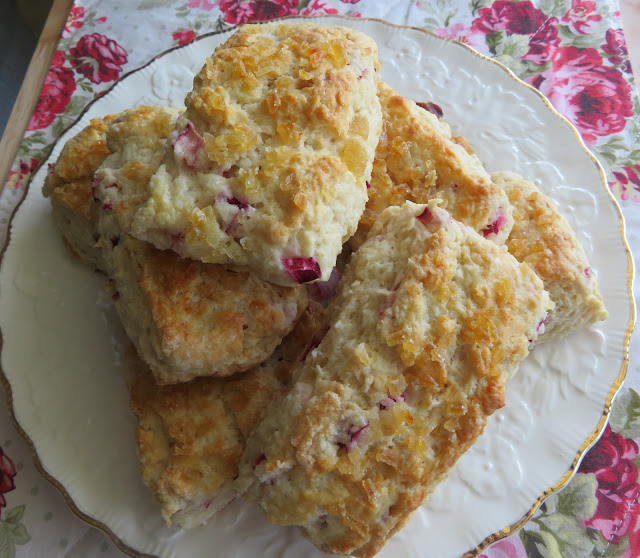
column 63, row 343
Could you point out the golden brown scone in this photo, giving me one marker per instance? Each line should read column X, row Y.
column 417, row 159
column 429, row 323
column 190, row 436
column 186, row 318
column 268, row 167
column 542, row 238
column 68, row 185
column 190, row 319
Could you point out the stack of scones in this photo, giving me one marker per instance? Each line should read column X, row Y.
column 325, row 291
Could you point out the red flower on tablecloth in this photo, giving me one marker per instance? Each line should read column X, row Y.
column 74, row 22
column 629, row 178
column 542, row 43
column 517, row 18
column 17, row 179
column 202, row 4
column 521, row 18
column 98, row 58
column 507, row 548
column 595, row 98
column 462, row 34
column 616, row 48
column 319, row 7
column 56, row 93
column 611, row 461
column 237, row 12
column 581, row 17
column 184, row 36
column 7, row 472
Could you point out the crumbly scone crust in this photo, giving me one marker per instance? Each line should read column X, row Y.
column 186, row 318
column 68, row 186
column 542, row 238
column 269, row 162
column 190, row 436
column 429, row 323
column 192, row 319
column 417, row 159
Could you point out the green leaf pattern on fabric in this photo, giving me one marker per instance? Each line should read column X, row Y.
column 625, row 417
column 12, row 532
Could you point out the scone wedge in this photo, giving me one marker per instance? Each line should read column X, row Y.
column 542, row 238
column 68, row 186
column 418, row 159
column 430, row 322
column 268, row 166
column 190, row 436
column 185, row 318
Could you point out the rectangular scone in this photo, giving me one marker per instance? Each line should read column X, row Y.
column 542, row 238
column 186, row 318
column 190, row 436
column 418, row 159
column 429, row 323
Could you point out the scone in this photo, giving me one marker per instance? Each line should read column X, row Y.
column 417, row 159
column 186, row 318
column 268, row 166
column 190, row 437
column 429, row 323
column 542, row 238
column 68, row 185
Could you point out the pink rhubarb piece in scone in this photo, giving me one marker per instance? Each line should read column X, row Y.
column 429, row 323
column 268, row 166
column 418, row 159
column 190, row 436
column 186, row 318
column 542, row 238
column 68, row 186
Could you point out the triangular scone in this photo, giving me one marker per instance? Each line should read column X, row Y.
column 190, row 437
column 429, row 323
column 68, row 186
column 417, row 159
column 186, row 318
column 542, row 238
column 267, row 169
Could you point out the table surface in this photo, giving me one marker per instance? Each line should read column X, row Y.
column 34, row 519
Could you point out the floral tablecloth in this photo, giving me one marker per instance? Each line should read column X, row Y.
column 572, row 50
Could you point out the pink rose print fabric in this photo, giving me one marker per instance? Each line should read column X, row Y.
column 98, row 58
column 504, row 19
column 616, row 49
column 241, row 12
column 183, row 37
column 237, row 12
column 611, row 461
column 513, row 17
column 628, row 179
column 582, row 17
column 56, row 93
column 573, row 51
column 201, row 4
column 7, row 472
column 594, row 97
column 24, row 172
column 75, row 21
